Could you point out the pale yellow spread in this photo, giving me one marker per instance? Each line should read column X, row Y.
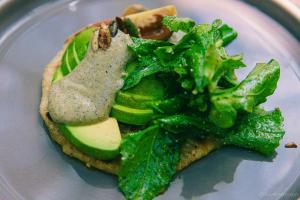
column 86, row 94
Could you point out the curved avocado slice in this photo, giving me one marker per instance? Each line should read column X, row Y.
column 101, row 140
column 131, row 116
column 149, row 86
column 148, row 90
column 57, row 75
column 133, row 100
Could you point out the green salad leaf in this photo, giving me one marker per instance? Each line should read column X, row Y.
column 175, row 23
column 198, row 55
column 167, row 106
column 149, row 160
column 142, row 47
column 228, row 34
column 260, row 131
column 186, row 123
column 259, row 84
column 149, row 157
column 137, row 75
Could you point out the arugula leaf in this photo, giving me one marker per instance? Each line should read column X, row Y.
column 149, row 160
column 260, row 131
column 136, row 76
column 198, row 55
column 195, row 59
column 201, row 51
column 184, row 123
column 175, row 24
column 223, row 67
column 210, row 65
column 258, row 85
column 199, row 102
column 142, row 47
column 214, row 62
column 208, row 34
column 206, row 102
column 230, row 63
column 228, row 34
column 167, row 106
column 148, row 63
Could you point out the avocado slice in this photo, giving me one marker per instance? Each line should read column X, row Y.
column 131, row 116
column 101, row 140
column 149, row 86
column 57, row 75
column 149, row 89
column 133, row 100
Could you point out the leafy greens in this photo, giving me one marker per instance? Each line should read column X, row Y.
column 149, row 160
column 203, row 99
column 260, row 130
column 209, row 102
column 260, row 83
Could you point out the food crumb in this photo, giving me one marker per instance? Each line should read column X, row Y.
column 290, row 145
column 88, row 165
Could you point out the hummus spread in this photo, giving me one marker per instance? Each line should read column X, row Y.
column 86, row 94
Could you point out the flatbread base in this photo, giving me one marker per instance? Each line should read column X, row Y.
column 190, row 151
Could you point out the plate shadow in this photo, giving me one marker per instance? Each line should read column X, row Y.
column 219, row 166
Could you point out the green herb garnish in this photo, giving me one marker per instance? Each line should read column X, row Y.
column 149, row 160
column 213, row 103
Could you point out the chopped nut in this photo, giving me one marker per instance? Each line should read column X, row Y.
column 104, row 37
column 88, row 164
column 101, row 38
column 135, row 8
column 291, row 145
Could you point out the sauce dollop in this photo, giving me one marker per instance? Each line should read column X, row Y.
column 86, row 94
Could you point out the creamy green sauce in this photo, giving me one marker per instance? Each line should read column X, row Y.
column 86, row 94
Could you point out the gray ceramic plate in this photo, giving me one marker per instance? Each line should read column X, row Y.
column 33, row 167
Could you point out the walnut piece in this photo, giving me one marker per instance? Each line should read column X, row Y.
column 104, row 37
column 101, row 38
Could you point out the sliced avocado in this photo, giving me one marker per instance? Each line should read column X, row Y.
column 131, row 66
column 133, row 100
column 149, row 86
column 149, row 89
column 57, row 75
column 74, row 53
column 101, row 140
column 131, row 115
